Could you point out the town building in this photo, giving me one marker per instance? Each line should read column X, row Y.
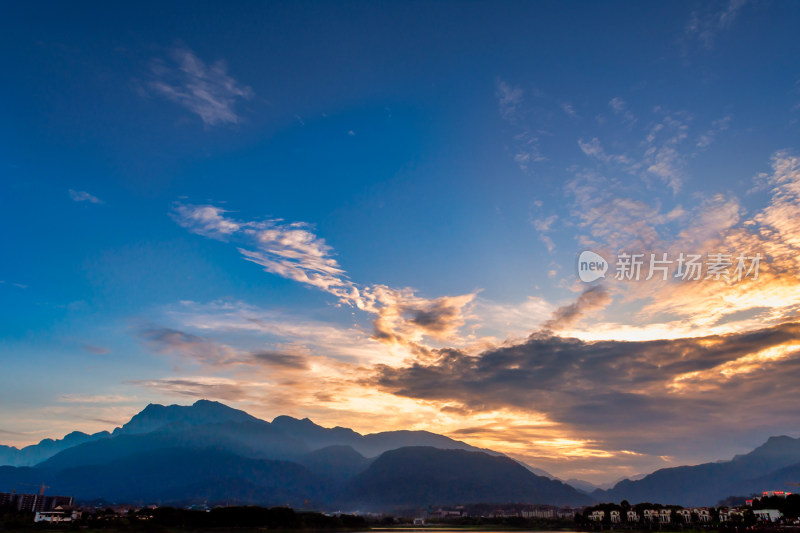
column 57, row 515
column 33, row 502
column 768, row 515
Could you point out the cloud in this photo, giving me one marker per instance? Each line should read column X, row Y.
column 543, row 226
column 620, row 107
column 568, row 109
column 662, row 157
column 525, row 146
column 593, row 298
column 14, row 284
column 720, row 223
column 661, row 154
column 595, row 149
column 83, row 196
column 703, row 27
column 213, row 388
column 172, row 341
column 213, row 353
column 718, row 126
column 205, row 220
column 293, row 251
column 509, row 99
column 96, row 398
column 279, row 359
column 206, row 90
column 620, row 392
column 290, row 250
column 96, row 350
column 613, row 220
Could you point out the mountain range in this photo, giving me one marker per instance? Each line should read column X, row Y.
column 774, row 465
column 211, row 453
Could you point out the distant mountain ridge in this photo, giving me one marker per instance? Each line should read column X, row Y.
column 209, row 452
column 36, row 453
column 769, row 467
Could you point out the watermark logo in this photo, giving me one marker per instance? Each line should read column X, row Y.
column 591, row 266
column 686, row 267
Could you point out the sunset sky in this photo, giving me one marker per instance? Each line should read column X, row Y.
column 370, row 214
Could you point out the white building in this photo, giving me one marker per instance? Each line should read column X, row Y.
column 703, row 515
column 597, row 516
column 768, row 515
column 566, row 512
column 727, row 515
column 57, row 515
column 633, row 516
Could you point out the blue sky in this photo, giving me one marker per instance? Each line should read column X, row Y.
column 233, row 202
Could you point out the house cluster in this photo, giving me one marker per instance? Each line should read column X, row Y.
column 547, row 512
column 661, row 516
column 760, row 508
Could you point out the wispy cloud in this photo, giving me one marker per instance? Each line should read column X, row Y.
column 96, row 350
column 543, row 226
column 595, row 149
column 214, row 353
column 620, row 107
column 525, row 146
column 614, row 221
column 206, row 90
column 96, row 398
column 205, row 387
column 83, row 196
column 293, row 251
column 705, row 24
column 662, row 157
column 569, row 109
column 509, row 100
column 717, row 127
column 662, row 153
column 591, row 299
column 14, row 284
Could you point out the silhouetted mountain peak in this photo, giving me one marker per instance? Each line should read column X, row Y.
column 782, row 448
column 290, row 421
column 416, row 474
column 155, row 416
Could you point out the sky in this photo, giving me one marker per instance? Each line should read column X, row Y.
column 371, row 214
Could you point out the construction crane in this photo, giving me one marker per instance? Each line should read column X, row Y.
column 41, row 487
